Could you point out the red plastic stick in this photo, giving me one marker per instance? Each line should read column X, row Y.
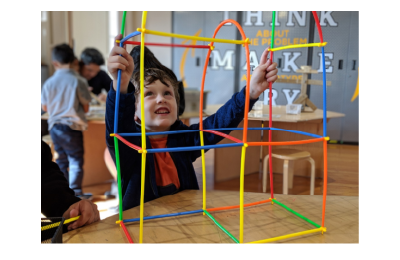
column 325, row 181
column 288, row 143
column 126, row 232
column 169, row 45
column 318, row 26
column 271, row 182
column 224, row 135
column 128, row 143
column 237, row 206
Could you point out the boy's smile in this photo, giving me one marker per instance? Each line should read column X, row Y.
column 160, row 107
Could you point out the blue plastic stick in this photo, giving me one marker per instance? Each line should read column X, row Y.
column 117, row 102
column 220, row 129
column 192, row 148
column 189, row 131
column 324, row 93
column 297, row 132
column 129, row 36
column 164, row 216
column 119, row 85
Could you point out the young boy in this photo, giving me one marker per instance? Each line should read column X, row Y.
column 166, row 173
column 66, row 99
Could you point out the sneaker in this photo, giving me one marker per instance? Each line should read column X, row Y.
column 114, row 209
column 114, row 190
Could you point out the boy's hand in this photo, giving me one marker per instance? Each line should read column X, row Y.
column 86, row 209
column 124, row 62
column 262, row 75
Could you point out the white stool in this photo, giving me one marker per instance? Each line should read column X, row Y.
column 289, row 155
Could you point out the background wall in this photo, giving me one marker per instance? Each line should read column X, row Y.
column 226, row 71
column 156, row 21
column 90, row 29
column 82, row 29
column 227, row 65
column 55, row 29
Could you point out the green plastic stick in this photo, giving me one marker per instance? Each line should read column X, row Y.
column 123, row 24
column 297, row 214
column 118, row 177
column 273, row 30
column 221, row 227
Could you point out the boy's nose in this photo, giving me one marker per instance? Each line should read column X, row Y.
column 160, row 99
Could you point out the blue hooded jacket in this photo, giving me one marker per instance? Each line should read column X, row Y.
column 228, row 116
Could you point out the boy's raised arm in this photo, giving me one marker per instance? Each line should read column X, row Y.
column 265, row 73
column 126, row 123
column 119, row 58
column 232, row 112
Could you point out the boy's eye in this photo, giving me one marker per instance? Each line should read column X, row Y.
column 148, row 93
column 168, row 93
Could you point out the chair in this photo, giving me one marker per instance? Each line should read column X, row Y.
column 289, row 155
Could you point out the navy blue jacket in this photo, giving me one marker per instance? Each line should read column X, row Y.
column 228, row 116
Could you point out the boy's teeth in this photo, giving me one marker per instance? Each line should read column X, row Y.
column 162, row 112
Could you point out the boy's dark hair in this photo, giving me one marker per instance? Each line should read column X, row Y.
column 153, row 74
column 92, row 55
column 150, row 61
column 62, row 53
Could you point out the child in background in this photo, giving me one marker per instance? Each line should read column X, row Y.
column 66, row 99
column 98, row 80
column 166, row 173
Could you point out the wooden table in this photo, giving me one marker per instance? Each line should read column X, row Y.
column 260, row 221
column 227, row 160
column 94, row 143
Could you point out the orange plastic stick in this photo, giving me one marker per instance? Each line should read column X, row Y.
column 224, row 135
column 237, row 206
column 248, row 76
column 288, row 142
column 325, row 181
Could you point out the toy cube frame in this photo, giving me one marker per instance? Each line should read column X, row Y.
column 243, row 143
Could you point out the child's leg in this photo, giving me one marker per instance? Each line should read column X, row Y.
column 56, row 134
column 74, row 150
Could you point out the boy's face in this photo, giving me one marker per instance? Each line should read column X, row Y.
column 160, row 107
column 90, row 70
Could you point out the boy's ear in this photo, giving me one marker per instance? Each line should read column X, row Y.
column 137, row 119
column 56, row 64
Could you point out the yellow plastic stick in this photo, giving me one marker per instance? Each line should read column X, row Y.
column 241, row 192
column 174, row 35
column 288, row 236
column 203, row 164
column 58, row 223
column 143, row 129
column 299, row 46
column 142, row 197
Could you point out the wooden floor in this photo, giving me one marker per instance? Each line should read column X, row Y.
column 343, row 178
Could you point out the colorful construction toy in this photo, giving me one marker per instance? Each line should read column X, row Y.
column 242, row 143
